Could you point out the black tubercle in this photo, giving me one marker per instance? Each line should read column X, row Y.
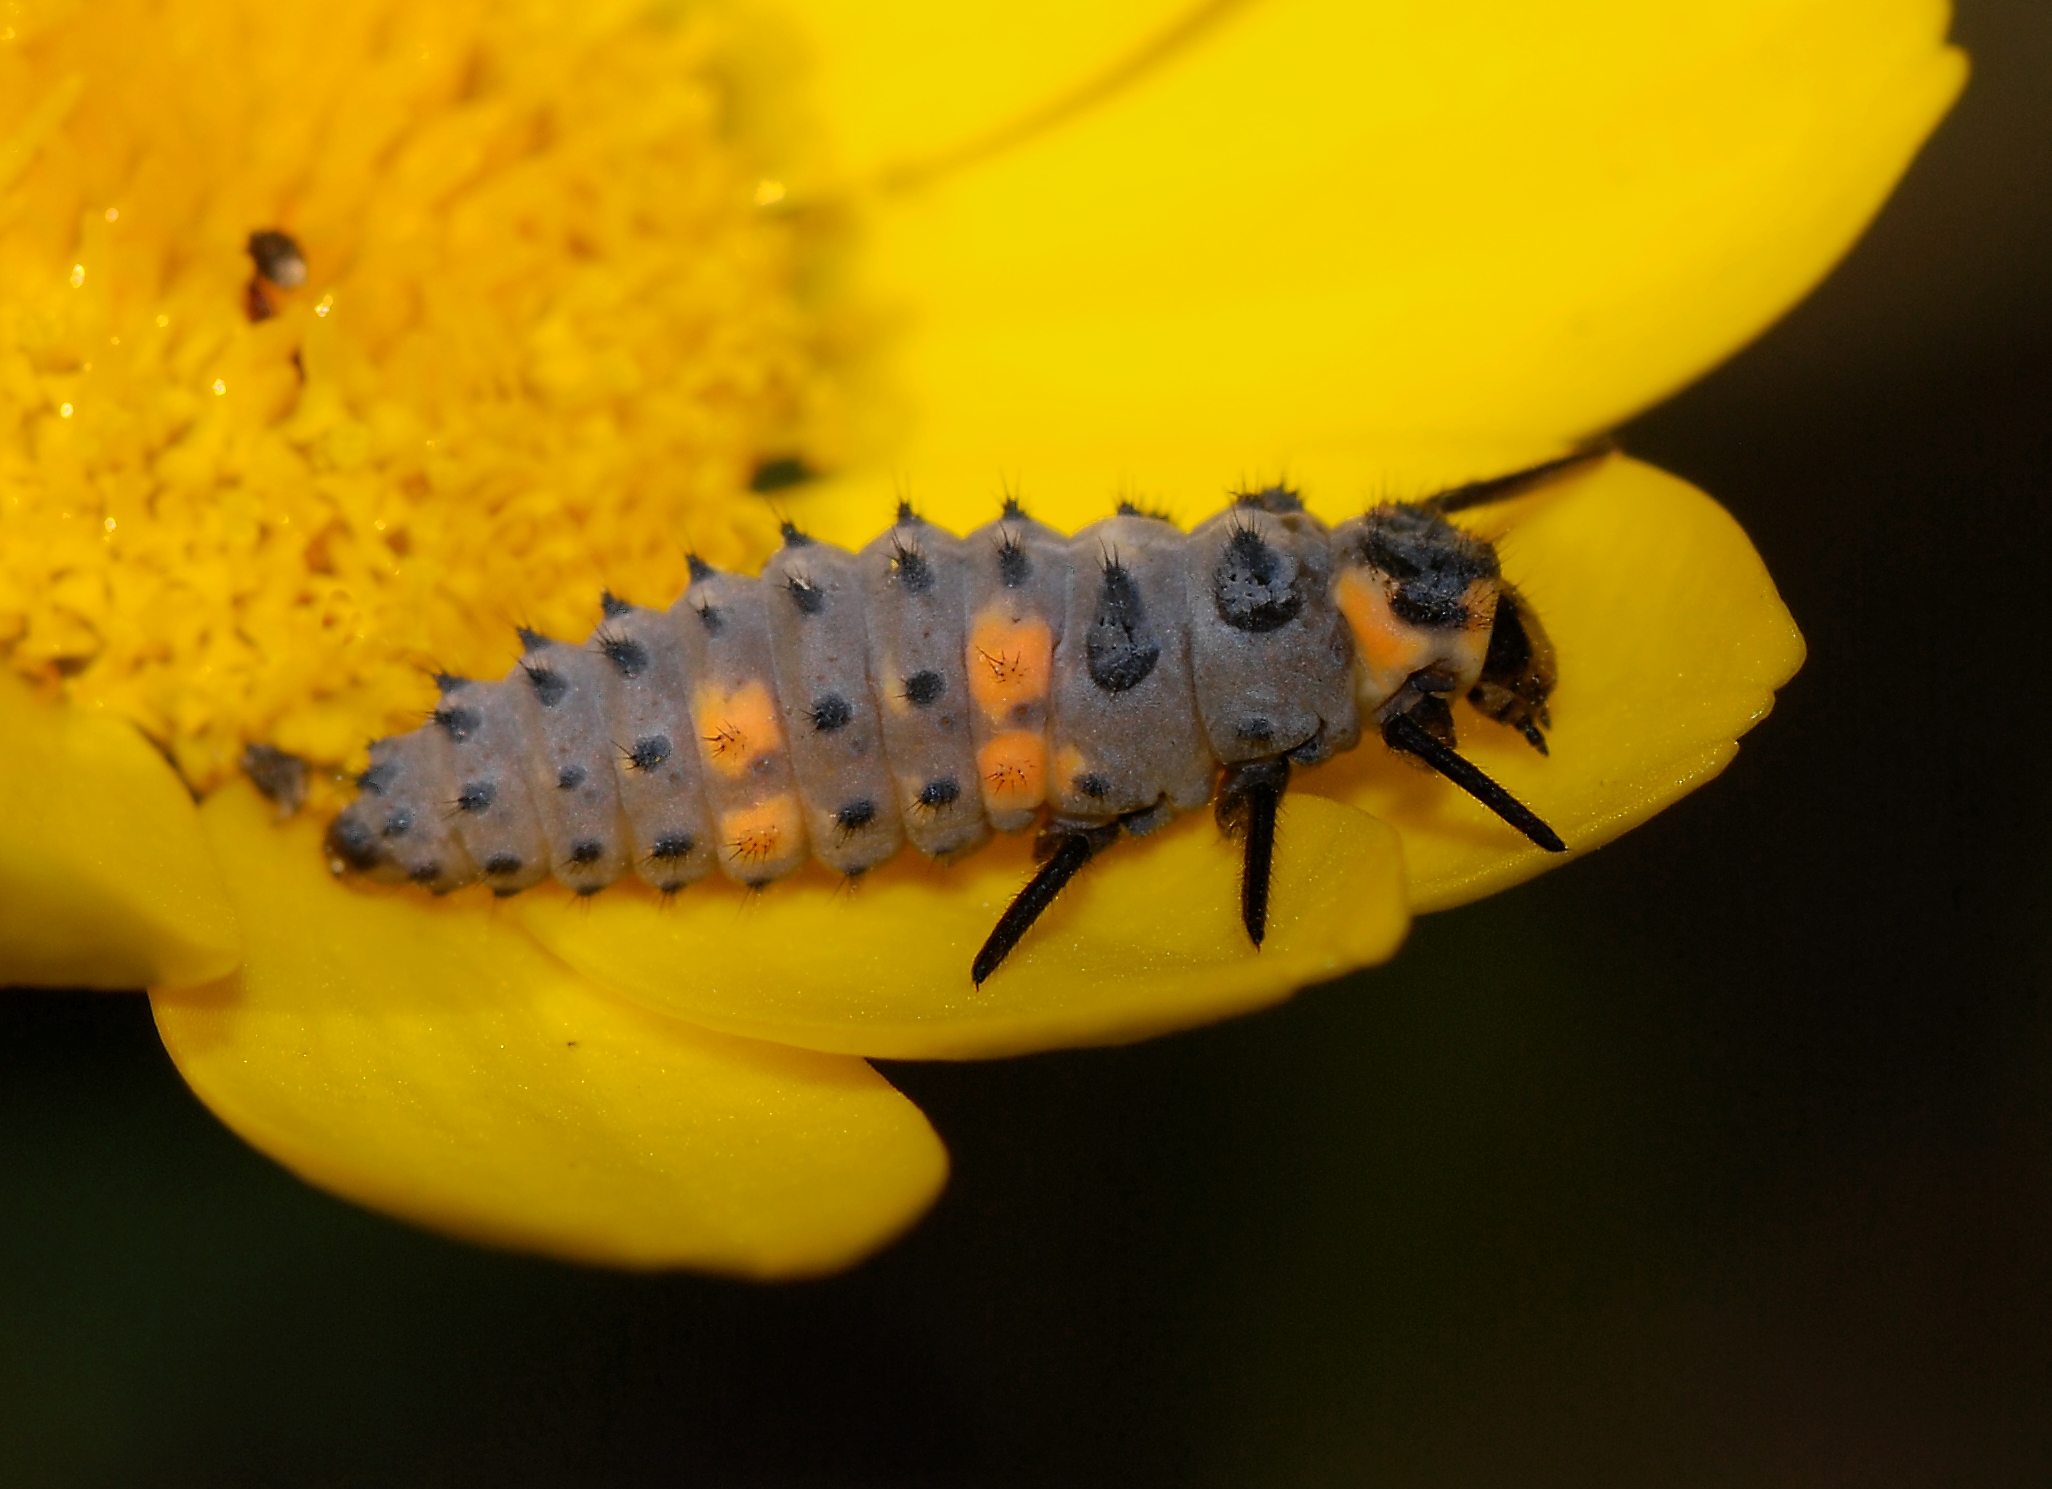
column 699, row 568
column 351, row 840
column 671, row 845
column 532, row 640
column 1120, row 647
column 1012, row 508
column 612, row 605
column 569, row 778
column 910, row 567
column 1153, row 514
column 807, row 596
column 458, row 723
column 1432, row 561
column 377, row 778
column 924, row 689
column 1014, row 564
column 499, row 865
column 709, row 616
column 1279, row 499
column 855, row 815
column 906, row 516
column 1253, row 586
column 476, row 796
column 648, row 752
column 624, row 652
column 830, row 711
column 586, row 851
column 550, row 686
column 793, row 538
column 398, row 822
column 944, row 792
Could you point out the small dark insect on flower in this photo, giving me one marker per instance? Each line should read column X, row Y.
column 279, row 264
column 934, row 689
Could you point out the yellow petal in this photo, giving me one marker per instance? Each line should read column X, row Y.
column 105, row 876
column 1671, row 640
column 427, row 1059
column 1363, row 240
column 1146, row 939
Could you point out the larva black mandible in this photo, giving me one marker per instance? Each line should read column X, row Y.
column 931, row 689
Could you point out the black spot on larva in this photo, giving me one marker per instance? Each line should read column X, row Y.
column 1120, row 647
column 569, row 778
column 629, row 656
column 531, row 640
column 587, row 851
column 909, row 567
column 586, row 891
column 944, row 792
column 1012, row 508
column 1092, row 785
column 398, row 822
column 1254, row 587
column 855, row 815
column 377, row 778
column 1432, row 561
column 830, row 711
column 649, row 751
column 611, row 605
column 425, row 873
column 550, row 686
column 1015, row 566
column 449, row 682
column 906, row 516
column 1154, row 514
column 793, row 537
column 351, row 840
column 278, row 258
column 280, row 776
column 499, row 865
column 1255, row 730
column 476, row 796
column 699, row 568
column 807, row 596
column 924, row 688
column 709, row 616
column 458, row 723
column 672, row 845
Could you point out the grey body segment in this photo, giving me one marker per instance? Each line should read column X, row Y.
column 570, row 755
column 758, row 822
column 417, row 831
column 1126, row 735
column 1015, row 595
column 912, row 578
column 1269, row 652
column 820, row 644
column 487, row 796
column 661, row 781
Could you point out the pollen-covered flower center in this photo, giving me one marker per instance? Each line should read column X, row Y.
column 337, row 341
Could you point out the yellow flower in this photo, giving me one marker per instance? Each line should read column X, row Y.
column 551, row 322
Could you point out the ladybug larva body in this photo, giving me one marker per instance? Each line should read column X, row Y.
column 932, row 689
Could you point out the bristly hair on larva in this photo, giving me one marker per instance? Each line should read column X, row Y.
column 934, row 689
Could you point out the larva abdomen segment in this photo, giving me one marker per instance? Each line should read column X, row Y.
column 569, row 757
column 751, row 792
column 912, row 576
column 488, row 801
column 1015, row 596
column 1269, row 655
column 1126, row 736
column 661, row 781
column 820, row 643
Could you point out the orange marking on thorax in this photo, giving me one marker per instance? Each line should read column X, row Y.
column 1014, row 770
column 1010, row 663
column 737, row 727
column 752, row 836
column 1388, row 647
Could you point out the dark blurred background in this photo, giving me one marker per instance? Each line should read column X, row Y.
column 1724, row 1157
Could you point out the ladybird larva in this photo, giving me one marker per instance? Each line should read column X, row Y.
column 931, row 689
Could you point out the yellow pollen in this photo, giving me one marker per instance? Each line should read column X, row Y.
column 571, row 336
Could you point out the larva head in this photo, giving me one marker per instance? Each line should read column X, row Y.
column 1419, row 596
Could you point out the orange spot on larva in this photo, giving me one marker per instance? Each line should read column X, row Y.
column 752, row 837
column 1014, row 770
column 1010, row 663
column 737, row 727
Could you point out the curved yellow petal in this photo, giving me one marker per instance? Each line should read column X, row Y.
column 1671, row 640
column 1358, row 240
column 429, row 1060
column 1147, row 939
column 105, row 877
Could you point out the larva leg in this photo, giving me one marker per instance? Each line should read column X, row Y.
column 1402, row 732
column 1062, row 852
column 1248, row 800
column 1518, row 482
